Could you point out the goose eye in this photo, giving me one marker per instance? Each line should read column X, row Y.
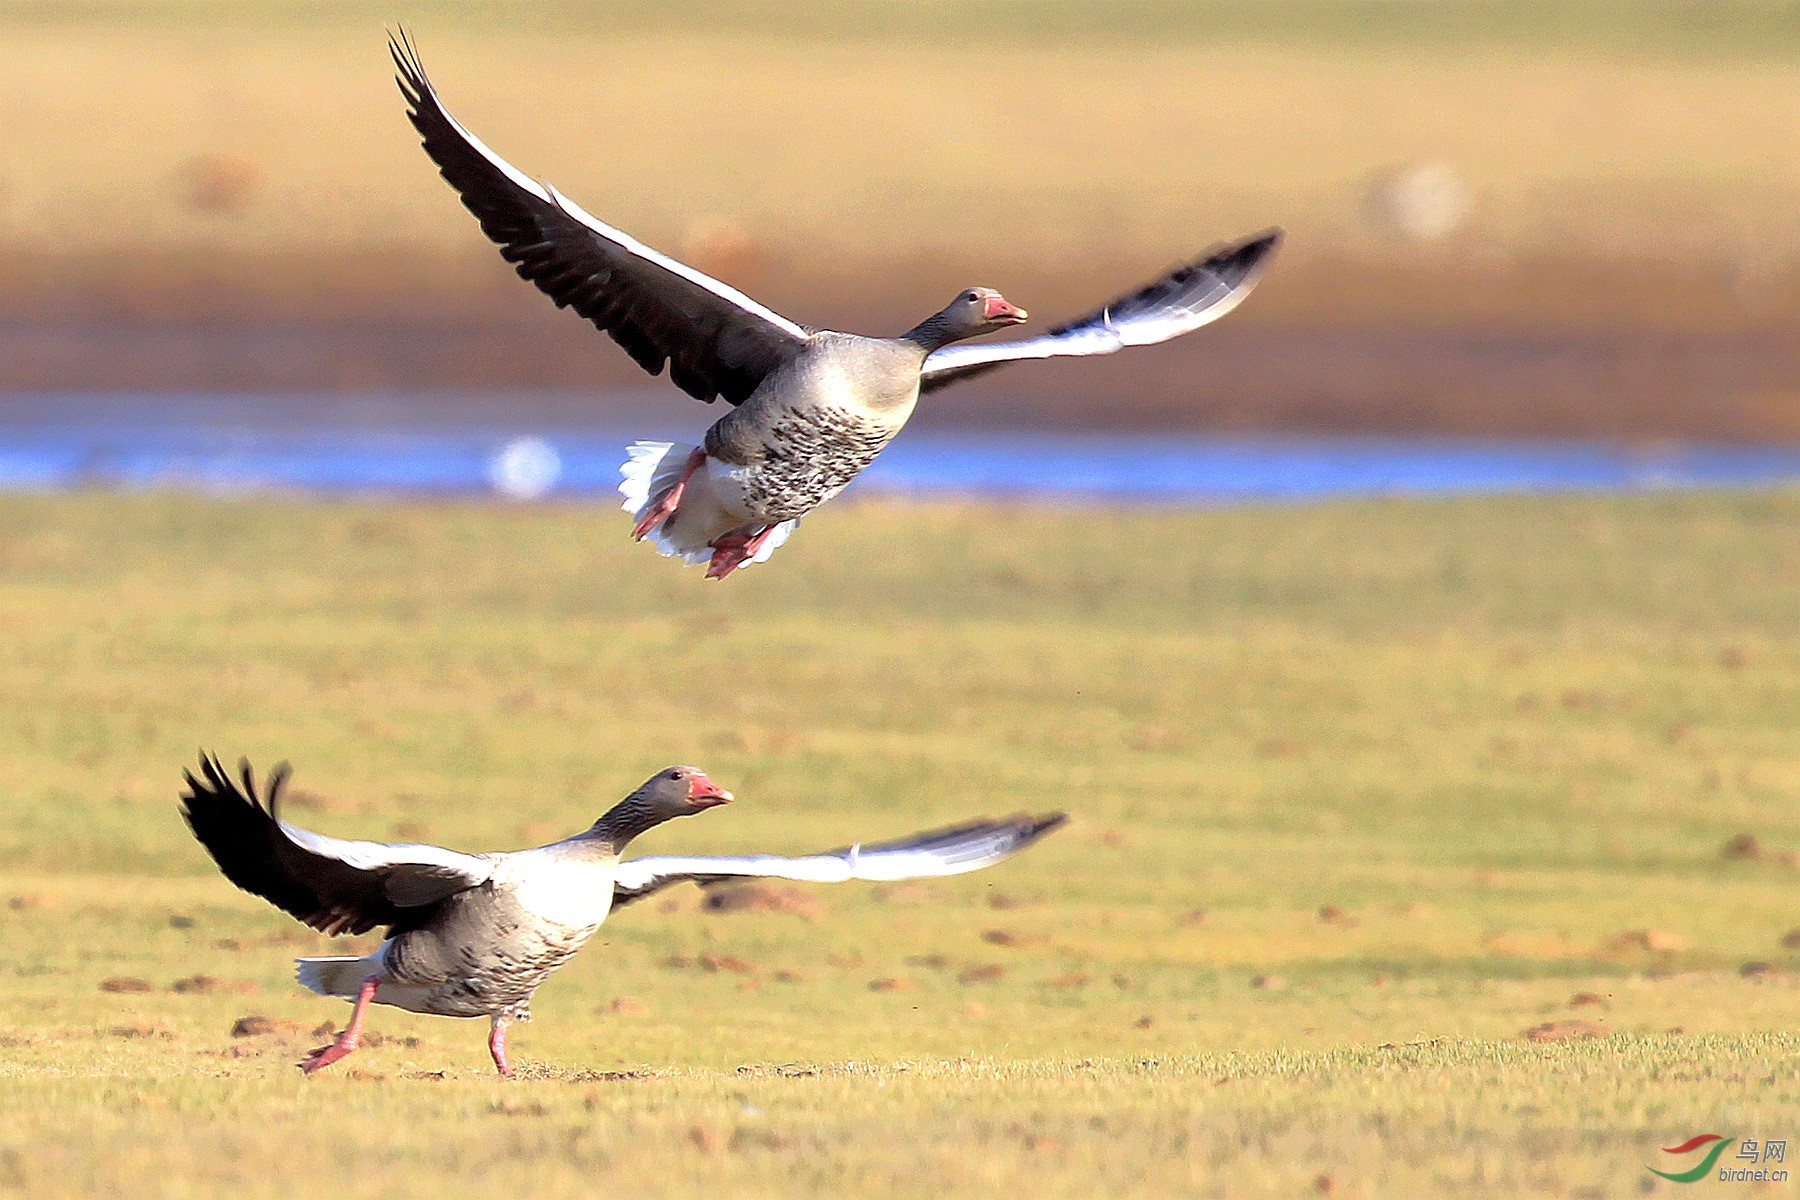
column 971, row 297
column 677, row 775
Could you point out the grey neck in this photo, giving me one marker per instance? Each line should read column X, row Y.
column 935, row 332
column 624, row 821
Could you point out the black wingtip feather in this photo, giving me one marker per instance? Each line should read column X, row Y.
column 278, row 779
column 657, row 316
column 1235, row 265
column 240, row 835
column 1235, row 262
column 245, row 839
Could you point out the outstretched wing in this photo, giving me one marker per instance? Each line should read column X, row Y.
column 716, row 340
column 1188, row 297
column 333, row 885
column 951, row 851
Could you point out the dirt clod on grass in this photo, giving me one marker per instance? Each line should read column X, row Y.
column 1659, row 941
column 716, row 963
column 1565, row 1031
column 762, row 898
column 140, row 1029
column 1012, row 939
column 1743, row 846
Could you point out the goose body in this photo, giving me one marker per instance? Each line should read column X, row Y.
column 812, row 407
column 487, row 949
column 475, row 935
column 817, row 421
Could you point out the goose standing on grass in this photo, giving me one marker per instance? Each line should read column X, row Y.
column 813, row 407
column 474, row 935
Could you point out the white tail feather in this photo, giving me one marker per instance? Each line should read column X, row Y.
column 781, row 534
column 337, row 976
column 654, row 468
column 638, row 475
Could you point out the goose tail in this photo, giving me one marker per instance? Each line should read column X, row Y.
column 710, row 509
column 337, row 976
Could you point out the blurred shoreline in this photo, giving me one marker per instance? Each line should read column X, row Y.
column 1556, row 348
column 545, row 444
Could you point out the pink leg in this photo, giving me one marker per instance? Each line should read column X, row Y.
column 348, row 1040
column 669, row 501
column 733, row 550
column 497, row 1045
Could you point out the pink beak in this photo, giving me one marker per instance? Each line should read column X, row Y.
column 998, row 309
column 705, row 793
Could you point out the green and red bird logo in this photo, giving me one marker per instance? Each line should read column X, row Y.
column 1719, row 1142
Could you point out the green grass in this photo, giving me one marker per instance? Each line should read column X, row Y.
column 1495, row 735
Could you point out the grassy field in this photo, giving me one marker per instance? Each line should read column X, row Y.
column 1362, row 793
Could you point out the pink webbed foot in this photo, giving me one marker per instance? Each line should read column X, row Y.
column 324, row 1056
column 666, row 504
column 733, row 550
column 348, row 1040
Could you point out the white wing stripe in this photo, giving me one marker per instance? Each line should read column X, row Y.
column 480, row 147
column 953, row 852
column 1142, row 319
column 1106, row 337
column 372, row 856
column 631, row 245
column 823, row 868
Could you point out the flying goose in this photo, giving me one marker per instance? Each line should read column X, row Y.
column 474, row 935
column 812, row 407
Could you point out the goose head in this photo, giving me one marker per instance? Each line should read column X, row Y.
column 681, row 792
column 976, row 311
column 672, row 792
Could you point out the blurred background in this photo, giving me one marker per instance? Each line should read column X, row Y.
column 1515, row 220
